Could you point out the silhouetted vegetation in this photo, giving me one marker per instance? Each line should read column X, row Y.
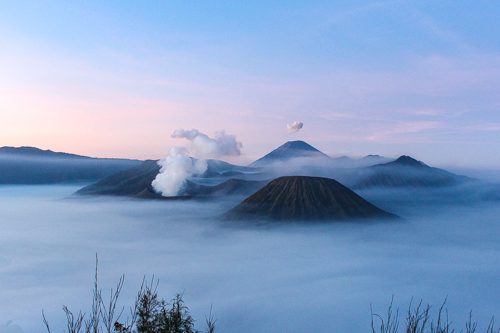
column 150, row 314
column 418, row 320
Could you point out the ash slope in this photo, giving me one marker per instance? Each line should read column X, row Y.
column 305, row 198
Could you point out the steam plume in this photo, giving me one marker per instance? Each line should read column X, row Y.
column 295, row 127
column 201, row 146
column 178, row 166
column 175, row 169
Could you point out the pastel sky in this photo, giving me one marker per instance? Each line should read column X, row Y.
column 116, row 78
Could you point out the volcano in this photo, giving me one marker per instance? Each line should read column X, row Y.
column 406, row 172
column 305, row 198
column 290, row 150
column 136, row 182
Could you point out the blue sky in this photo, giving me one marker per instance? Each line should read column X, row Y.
column 115, row 79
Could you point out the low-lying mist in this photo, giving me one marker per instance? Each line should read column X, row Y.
column 278, row 278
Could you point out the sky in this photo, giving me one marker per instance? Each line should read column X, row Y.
column 116, row 79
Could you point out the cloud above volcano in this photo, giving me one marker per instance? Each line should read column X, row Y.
column 294, row 127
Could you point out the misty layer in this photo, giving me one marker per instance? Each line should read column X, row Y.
column 258, row 279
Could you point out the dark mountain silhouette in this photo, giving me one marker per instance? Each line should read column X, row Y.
column 406, row 161
column 405, row 172
column 136, row 182
column 36, row 152
column 305, row 198
column 290, row 150
column 29, row 165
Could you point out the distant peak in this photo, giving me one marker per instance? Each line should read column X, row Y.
column 409, row 161
column 290, row 150
column 298, row 145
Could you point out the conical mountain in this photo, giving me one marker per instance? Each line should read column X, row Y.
column 290, row 150
column 305, row 198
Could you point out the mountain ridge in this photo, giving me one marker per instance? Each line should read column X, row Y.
column 29, row 151
column 30, row 165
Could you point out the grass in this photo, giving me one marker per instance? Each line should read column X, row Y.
column 150, row 314
column 418, row 320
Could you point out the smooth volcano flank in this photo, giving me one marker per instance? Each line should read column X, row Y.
column 291, row 150
column 300, row 198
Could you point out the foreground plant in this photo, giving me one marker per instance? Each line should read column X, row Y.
column 418, row 321
column 148, row 315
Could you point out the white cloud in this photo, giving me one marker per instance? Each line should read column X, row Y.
column 295, row 127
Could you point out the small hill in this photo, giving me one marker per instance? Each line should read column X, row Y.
column 406, row 172
column 305, row 198
column 29, row 165
column 290, row 150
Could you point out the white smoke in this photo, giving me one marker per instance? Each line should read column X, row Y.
column 175, row 169
column 295, row 127
column 201, row 146
column 178, row 166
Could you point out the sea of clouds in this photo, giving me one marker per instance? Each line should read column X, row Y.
column 278, row 278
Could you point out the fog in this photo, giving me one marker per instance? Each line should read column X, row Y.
column 276, row 278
